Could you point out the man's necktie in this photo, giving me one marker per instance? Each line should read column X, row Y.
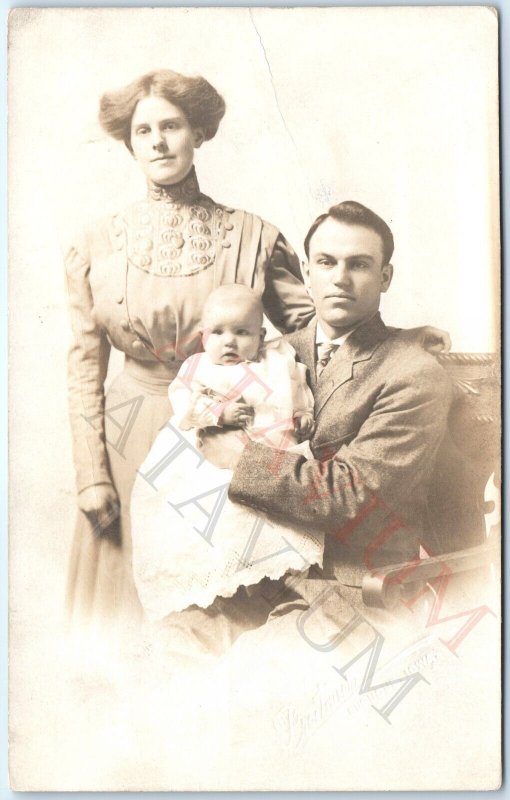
column 325, row 351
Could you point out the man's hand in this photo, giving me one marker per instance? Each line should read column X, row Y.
column 434, row 340
column 221, row 448
column 100, row 504
column 238, row 414
column 304, row 425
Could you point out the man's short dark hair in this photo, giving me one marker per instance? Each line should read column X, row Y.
column 353, row 213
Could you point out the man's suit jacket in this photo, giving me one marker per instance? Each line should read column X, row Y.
column 381, row 406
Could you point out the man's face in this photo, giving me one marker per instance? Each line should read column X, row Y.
column 346, row 274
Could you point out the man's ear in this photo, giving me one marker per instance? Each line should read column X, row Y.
column 198, row 137
column 305, row 268
column 386, row 277
column 262, row 335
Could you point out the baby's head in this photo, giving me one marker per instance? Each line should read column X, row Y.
column 232, row 324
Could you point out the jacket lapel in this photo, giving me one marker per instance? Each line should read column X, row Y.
column 360, row 346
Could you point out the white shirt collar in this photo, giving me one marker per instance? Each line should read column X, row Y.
column 321, row 338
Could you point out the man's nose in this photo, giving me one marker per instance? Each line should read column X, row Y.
column 341, row 275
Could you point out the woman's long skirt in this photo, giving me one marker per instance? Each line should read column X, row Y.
column 100, row 584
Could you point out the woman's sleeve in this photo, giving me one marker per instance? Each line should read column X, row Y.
column 87, row 367
column 286, row 301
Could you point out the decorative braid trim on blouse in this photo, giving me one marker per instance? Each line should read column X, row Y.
column 179, row 234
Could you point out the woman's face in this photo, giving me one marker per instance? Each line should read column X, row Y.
column 162, row 140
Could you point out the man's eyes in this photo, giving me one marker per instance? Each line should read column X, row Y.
column 326, row 262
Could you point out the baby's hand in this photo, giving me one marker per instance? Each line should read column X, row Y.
column 304, row 425
column 238, row 414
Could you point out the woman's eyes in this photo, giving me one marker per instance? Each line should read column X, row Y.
column 167, row 126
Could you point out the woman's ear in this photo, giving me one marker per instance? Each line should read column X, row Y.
column 198, row 137
column 262, row 335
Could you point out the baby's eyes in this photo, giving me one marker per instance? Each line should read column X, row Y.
column 238, row 331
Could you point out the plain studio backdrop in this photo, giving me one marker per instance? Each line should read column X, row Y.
column 395, row 108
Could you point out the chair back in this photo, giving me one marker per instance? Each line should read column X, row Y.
column 469, row 454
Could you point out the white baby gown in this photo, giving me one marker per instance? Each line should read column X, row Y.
column 190, row 542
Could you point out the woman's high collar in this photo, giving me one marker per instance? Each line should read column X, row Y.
column 186, row 191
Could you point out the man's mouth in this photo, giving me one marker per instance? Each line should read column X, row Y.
column 163, row 158
column 339, row 297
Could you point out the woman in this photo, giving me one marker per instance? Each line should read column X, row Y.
column 138, row 281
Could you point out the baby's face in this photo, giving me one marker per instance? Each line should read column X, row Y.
column 232, row 335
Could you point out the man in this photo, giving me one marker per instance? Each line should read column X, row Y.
column 381, row 404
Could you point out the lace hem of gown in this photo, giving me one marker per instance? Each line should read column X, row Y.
column 190, row 546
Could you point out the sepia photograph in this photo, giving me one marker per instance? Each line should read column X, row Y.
column 255, row 399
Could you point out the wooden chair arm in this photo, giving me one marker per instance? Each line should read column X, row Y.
column 383, row 587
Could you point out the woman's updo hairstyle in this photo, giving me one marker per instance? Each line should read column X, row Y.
column 195, row 96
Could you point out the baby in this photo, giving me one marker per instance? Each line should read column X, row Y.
column 190, row 543
column 263, row 385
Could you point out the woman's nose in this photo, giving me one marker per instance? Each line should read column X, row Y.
column 157, row 140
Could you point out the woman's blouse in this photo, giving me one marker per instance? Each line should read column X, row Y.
column 139, row 280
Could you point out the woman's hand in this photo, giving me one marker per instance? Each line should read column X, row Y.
column 434, row 340
column 100, row 504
